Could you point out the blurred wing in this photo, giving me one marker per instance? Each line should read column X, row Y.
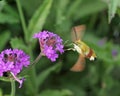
column 77, row 32
column 79, row 65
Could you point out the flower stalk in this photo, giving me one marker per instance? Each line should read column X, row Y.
column 38, row 58
column 12, row 87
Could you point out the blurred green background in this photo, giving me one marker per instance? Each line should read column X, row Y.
column 20, row 19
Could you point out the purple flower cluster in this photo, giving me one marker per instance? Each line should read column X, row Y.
column 12, row 62
column 102, row 42
column 114, row 52
column 50, row 44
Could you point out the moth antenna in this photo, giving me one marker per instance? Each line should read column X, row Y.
column 75, row 33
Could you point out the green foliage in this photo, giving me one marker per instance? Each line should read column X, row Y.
column 99, row 78
column 27, row 7
column 56, row 93
column 2, row 3
column 113, row 4
column 4, row 37
column 88, row 5
column 37, row 21
column 8, row 15
column 43, row 75
column 1, row 92
column 19, row 43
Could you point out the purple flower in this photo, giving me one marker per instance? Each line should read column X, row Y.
column 114, row 52
column 50, row 44
column 12, row 62
column 102, row 42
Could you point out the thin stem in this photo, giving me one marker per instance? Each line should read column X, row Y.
column 12, row 87
column 37, row 59
column 33, row 63
column 22, row 18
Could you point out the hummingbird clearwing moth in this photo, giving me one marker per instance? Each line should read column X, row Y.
column 83, row 49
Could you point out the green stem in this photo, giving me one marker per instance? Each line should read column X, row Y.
column 32, row 73
column 22, row 19
column 32, row 64
column 37, row 59
column 12, row 87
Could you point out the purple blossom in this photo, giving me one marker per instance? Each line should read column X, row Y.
column 50, row 44
column 12, row 62
column 114, row 52
column 102, row 42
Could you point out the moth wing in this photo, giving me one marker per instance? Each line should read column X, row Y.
column 77, row 32
column 79, row 65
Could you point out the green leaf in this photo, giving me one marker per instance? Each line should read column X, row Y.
column 38, row 19
column 27, row 6
column 87, row 8
column 9, row 15
column 6, row 95
column 2, row 4
column 30, row 83
column 118, row 11
column 73, row 7
column 112, row 9
column 63, row 92
column 5, row 79
column 4, row 37
column 1, row 93
column 7, row 18
column 18, row 43
column 43, row 75
column 60, row 10
column 12, row 11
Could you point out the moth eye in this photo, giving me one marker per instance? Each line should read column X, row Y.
column 95, row 59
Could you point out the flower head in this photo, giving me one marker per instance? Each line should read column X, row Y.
column 114, row 52
column 12, row 62
column 102, row 42
column 50, row 44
